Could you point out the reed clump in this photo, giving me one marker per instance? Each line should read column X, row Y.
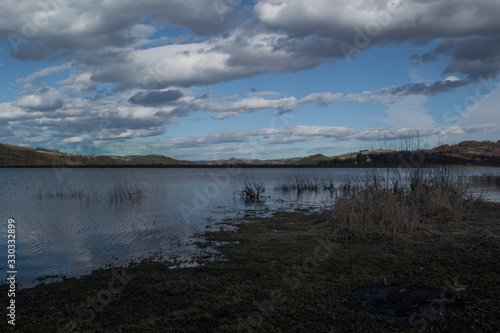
column 253, row 191
column 302, row 183
column 417, row 202
column 122, row 193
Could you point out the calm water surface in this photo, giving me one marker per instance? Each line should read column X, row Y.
column 66, row 224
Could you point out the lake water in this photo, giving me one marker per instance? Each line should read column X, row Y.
column 67, row 223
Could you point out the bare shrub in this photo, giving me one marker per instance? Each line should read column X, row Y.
column 252, row 191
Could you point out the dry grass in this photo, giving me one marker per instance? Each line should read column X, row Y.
column 253, row 191
column 303, row 183
column 412, row 203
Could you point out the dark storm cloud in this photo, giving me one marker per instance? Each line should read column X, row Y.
column 475, row 56
column 155, row 98
column 41, row 29
column 112, row 41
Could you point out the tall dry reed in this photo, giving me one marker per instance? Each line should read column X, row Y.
column 406, row 203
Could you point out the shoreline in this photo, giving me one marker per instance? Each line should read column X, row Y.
column 287, row 272
column 247, row 166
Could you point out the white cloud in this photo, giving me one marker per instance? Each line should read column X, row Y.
column 323, row 98
column 43, row 99
column 409, row 112
column 37, row 77
column 452, row 78
column 78, row 83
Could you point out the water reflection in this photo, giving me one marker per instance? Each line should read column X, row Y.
column 79, row 227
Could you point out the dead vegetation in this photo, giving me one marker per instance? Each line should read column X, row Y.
column 414, row 202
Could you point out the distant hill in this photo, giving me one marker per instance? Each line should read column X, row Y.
column 15, row 156
column 310, row 160
column 485, row 153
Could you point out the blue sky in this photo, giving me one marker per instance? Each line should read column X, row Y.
column 214, row 79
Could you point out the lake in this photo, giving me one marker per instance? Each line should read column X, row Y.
column 70, row 221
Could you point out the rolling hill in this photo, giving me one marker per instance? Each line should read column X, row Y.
column 484, row 153
column 15, row 156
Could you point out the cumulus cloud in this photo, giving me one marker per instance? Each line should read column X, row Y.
column 114, row 46
column 302, row 134
column 109, row 41
column 219, row 59
column 381, row 21
column 79, row 83
column 322, row 98
column 138, row 114
column 40, row 29
column 37, row 77
column 267, row 136
column 43, row 99
column 474, row 56
column 226, row 109
column 78, row 123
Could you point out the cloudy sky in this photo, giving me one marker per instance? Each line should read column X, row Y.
column 211, row 79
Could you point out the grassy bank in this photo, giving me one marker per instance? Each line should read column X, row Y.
column 290, row 273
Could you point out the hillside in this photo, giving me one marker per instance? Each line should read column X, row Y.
column 14, row 156
column 485, row 153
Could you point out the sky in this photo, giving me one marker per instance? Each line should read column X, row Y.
column 266, row 79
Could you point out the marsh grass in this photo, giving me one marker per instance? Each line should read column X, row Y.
column 90, row 196
column 121, row 193
column 411, row 203
column 253, row 191
column 485, row 180
column 303, row 183
column 126, row 193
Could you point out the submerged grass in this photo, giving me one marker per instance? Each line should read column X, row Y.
column 119, row 194
column 126, row 193
column 302, row 183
